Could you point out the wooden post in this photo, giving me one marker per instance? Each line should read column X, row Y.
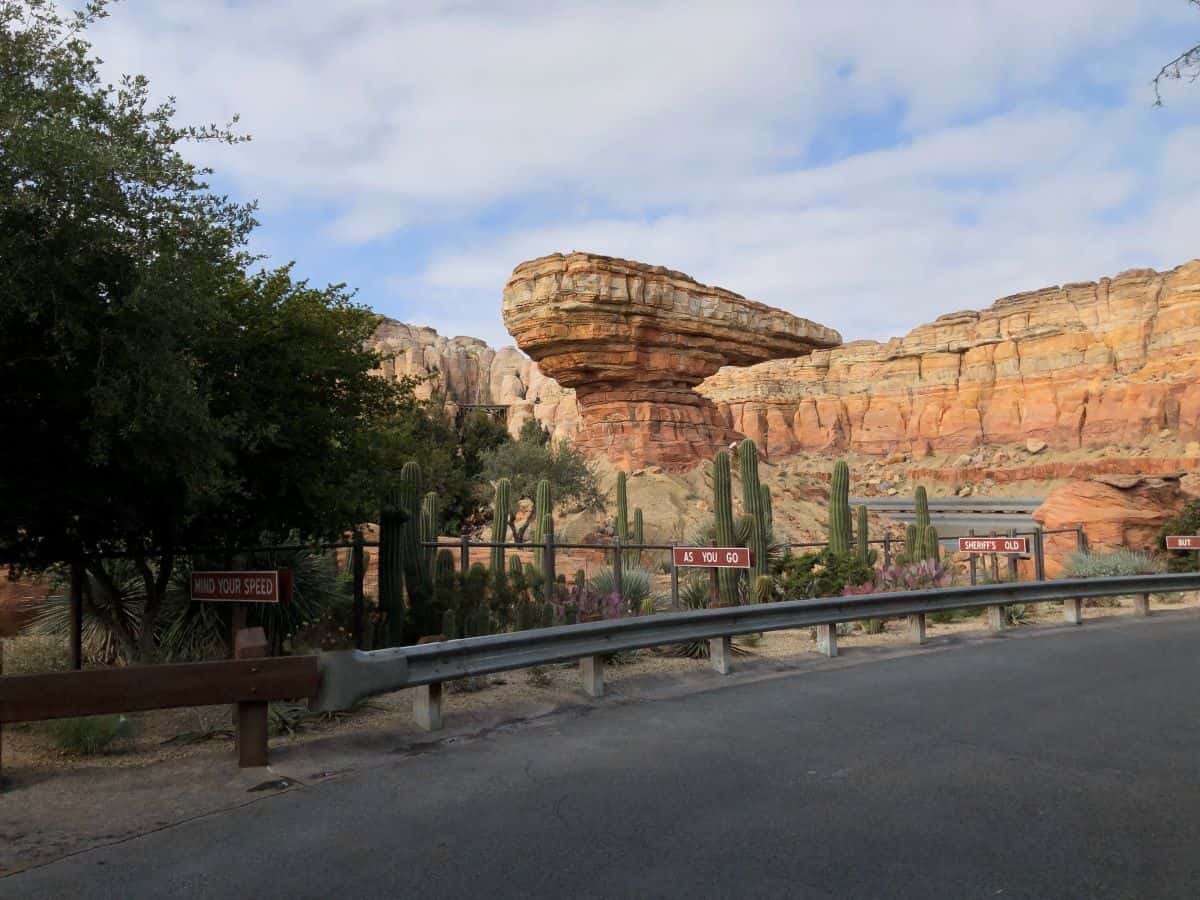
column 427, row 706
column 996, row 620
column 1, row 723
column 674, row 581
column 1073, row 611
column 1141, row 604
column 358, row 572
column 77, row 615
column 916, row 628
column 548, row 565
column 251, row 733
column 464, row 553
column 827, row 639
column 1039, row 555
column 591, row 671
column 1013, row 572
column 714, row 590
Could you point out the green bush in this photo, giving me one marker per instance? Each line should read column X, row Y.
column 1086, row 564
column 31, row 654
column 90, row 735
column 1187, row 522
column 821, row 574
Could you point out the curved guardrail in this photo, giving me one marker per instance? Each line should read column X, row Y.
column 353, row 675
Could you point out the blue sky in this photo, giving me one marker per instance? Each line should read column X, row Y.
column 869, row 165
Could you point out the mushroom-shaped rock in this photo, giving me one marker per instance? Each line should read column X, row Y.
column 634, row 340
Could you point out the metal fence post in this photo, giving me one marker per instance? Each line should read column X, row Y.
column 548, row 565
column 358, row 570
column 76, row 615
column 674, row 581
column 972, row 563
column 464, row 553
column 1013, row 573
column 1039, row 555
column 887, row 549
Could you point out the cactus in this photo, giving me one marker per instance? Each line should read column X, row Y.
column 861, row 536
column 516, row 569
column 764, row 588
column 450, row 625
column 621, row 525
column 839, row 508
column 930, row 549
column 768, row 511
column 723, row 515
column 543, row 522
column 501, row 506
column 415, row 582
column 430, row 525
column 580, row 581
column 443, row 577
column 633, row 559
column 753, row 503
column 922, row 505
column 912, row 540
column 391, row 566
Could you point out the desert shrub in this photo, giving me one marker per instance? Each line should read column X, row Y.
column 1187, row 522
column 635, row 586
column 925, row 575
column 1086, row 564
column 89, row 735
column 31, row 654
column 1018, row 613
column 821, row 574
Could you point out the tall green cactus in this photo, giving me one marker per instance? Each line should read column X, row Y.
column 768, row 511
column 621, row 524
column 922, row 505
column 839, row 508
column 752, row 503
column 634, row 557
column 410, row 530
column 723, row 517
column 930, row 548
column 861, row 536
column 391, row 566
column 912, row 543
column 501, row 506
column 430, row 525
column 543, row 523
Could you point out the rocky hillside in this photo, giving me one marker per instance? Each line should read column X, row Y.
column 1092, row 365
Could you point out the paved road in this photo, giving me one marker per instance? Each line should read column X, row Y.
column 1059, row 765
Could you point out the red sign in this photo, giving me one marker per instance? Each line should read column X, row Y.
column 993, row 545
column 1183, row 542
column 242, row 587
column 713, row 557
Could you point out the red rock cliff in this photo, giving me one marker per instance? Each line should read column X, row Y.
column 1082, row 365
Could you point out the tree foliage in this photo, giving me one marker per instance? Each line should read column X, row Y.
column 1184, row 67
column 157, row 395
column 534, row 456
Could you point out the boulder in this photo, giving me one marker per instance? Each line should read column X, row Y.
column 634, row 340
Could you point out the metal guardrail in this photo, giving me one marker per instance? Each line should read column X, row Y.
column 353, row 675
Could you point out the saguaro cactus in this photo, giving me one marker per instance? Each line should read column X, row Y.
column 912, row 542
column 410, row 529
column 930, row 548
column 634, row 557
column 543, row 522
column 922, row 505
column 839, row 508
column 861, row 536
column 501, row 506
column 621, row 523
column 391, row 565
column 723, row 517
column 430, row 525
column 768, row 511
column 753, row 504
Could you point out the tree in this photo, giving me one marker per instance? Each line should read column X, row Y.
column 156, row 396
column 1184, row 67
column 532, row 457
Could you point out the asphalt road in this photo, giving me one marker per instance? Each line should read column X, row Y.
column 1059, row 765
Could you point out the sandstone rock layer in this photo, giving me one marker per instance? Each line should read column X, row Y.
column 634, row 341
column 1082, row 365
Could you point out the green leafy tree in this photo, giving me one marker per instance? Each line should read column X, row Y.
column 533, row 457
column 1184, row 67
column 157, row 396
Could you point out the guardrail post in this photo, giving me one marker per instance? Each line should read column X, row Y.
column 77, row 615
column 1073, row 611
column 251, row 733
column 1141, row 604
column 827, row 639
column 720, row 652
column 916, row 628
column 359, row 573
column 427, row 706
column 591, row 670
column 996, row 618
column 674, row 582
column 548, row 565
column 464, row 553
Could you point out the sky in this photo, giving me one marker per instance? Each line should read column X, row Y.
column 869, row 165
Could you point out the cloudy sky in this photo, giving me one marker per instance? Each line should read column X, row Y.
column 868, row 164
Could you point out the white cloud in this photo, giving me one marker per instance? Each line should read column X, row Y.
column 676, row 133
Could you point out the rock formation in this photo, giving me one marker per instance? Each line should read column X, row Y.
column 1083, row 365
column 1117, row 511
column 634, row 341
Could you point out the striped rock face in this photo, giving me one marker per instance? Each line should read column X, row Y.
column 634, row 341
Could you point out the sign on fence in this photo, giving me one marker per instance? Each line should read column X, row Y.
column 242, row 587
column 1183, row 542
column 993, row 545
column 713, row 557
